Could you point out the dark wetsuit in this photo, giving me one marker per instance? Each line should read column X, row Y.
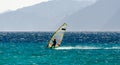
column 54, row 43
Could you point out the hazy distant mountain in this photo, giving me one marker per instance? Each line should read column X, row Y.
column 102, row 16
column 114, row 22
column 40, row 17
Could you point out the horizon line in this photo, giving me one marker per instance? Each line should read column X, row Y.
column 55, row 30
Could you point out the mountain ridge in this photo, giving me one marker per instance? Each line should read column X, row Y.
column 95, row 17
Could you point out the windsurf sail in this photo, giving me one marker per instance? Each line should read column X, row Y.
column 57, row 37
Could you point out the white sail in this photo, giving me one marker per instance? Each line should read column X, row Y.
column 58, row 36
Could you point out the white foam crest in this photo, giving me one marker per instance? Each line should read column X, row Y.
column 112, row 48
column 84, row 47
column 77, row 47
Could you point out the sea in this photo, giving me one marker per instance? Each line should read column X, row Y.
column 77, row 48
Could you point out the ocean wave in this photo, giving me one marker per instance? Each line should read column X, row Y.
column 84, row 47
column 70, row 37
column 112, row 48
column 77, row 47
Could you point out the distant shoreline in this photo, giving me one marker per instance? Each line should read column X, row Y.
column 66, row 31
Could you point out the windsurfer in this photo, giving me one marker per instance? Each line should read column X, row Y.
column 54, row 43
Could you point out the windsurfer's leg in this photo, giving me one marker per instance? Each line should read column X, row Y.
column 52, row 46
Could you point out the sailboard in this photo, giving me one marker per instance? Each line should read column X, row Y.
column 57, row 37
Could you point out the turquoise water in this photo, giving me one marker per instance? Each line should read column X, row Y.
column 77, row 53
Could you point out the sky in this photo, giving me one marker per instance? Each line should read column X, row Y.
column 12, row 5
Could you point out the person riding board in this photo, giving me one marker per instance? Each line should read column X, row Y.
column 54, row 43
